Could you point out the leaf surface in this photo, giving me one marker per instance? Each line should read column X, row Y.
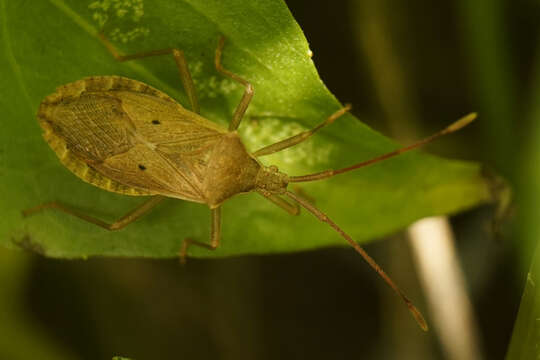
column 50, row 43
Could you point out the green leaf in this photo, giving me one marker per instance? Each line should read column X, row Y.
column 526, row 335
column 50, row 43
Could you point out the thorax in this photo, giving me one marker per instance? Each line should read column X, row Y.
column 230, row 170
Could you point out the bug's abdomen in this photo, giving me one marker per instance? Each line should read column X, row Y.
column 230, row 171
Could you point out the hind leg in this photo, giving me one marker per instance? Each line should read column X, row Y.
column 122, row 222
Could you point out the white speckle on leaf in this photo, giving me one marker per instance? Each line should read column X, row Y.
column 209, row 87
column 125, row 10
column 103, row 5
column 124, row 37
column 195, row 68
column 121, row 12
column 226, row 86
column 100, row 18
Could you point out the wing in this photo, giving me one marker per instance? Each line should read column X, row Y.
column 93, row 125
column 183, row 138
column 132, row 134
column 142, row 167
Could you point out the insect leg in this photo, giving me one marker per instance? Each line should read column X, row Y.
column 119, row 224
column 179, row 58
column 292, row 209
column 215, row 236
column 248, row 92
column 298, row 138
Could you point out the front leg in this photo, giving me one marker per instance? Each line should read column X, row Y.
column 248, row 91
column 215, row 236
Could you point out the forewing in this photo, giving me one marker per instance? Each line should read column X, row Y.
column 160, row 121
column 93, row 125
column 183, row 138
column 142, row 167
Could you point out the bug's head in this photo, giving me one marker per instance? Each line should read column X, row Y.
column 270, row 180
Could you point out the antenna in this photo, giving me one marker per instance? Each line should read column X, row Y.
column 464, row 121
column 324, row 218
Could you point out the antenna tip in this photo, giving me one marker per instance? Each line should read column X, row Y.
column 464, row 121
column 418, row 317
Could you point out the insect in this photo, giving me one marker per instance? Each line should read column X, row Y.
column 126, row 137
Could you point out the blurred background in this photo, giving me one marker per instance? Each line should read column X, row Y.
column 409, row 69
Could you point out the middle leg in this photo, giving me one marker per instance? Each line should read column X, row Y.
column 215, row 236
column 122, row 222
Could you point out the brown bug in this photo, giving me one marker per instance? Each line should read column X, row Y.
column 124, row 136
